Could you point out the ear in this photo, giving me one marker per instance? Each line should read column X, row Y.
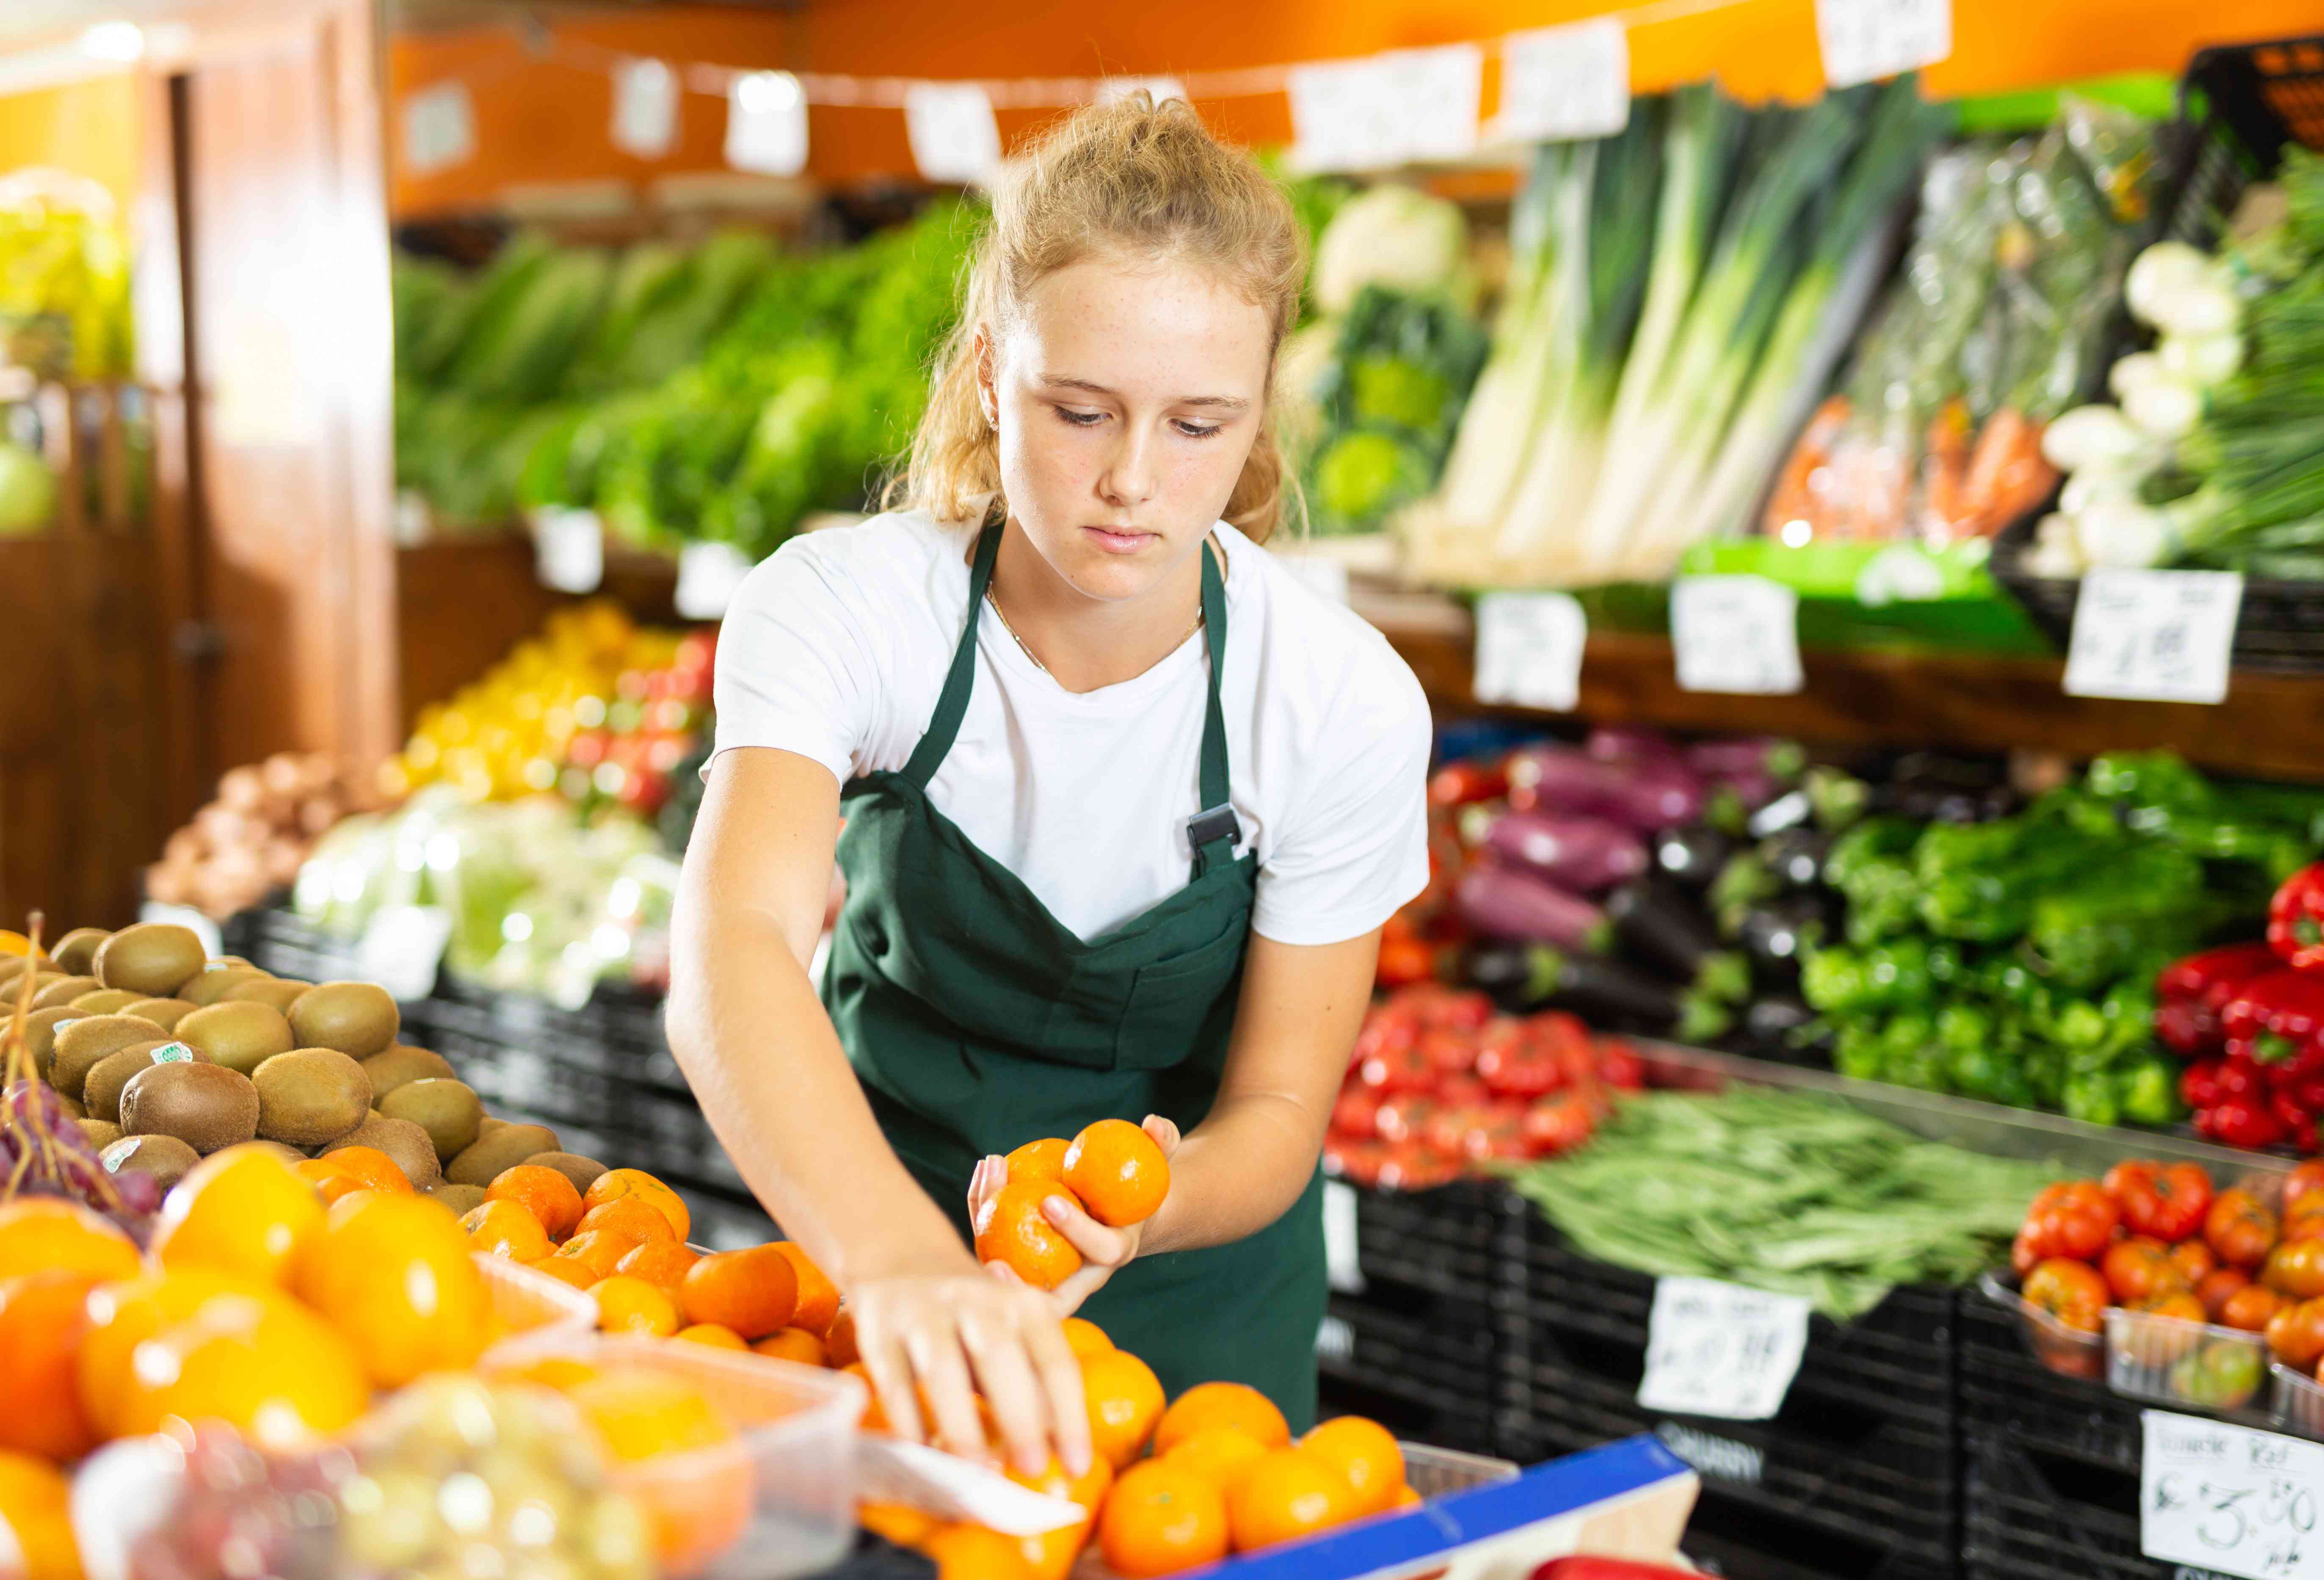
column 988, row 394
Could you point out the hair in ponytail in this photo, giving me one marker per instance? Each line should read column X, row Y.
column 1133, row 177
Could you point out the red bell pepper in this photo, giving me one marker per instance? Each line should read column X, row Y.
column 2199, row 1083
column 2286, row 1005
column 2295, row 918
column 2212, row 976
column 1466, row 782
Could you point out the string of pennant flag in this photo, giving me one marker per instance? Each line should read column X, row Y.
column 1370, row 112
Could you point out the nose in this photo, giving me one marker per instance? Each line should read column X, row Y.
column 1130, row 476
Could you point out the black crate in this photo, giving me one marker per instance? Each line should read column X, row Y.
column 2032, row 1514
column 1735, row 1538
column 1427, row 1373
column 1453, row 1242
column 2005, row 1390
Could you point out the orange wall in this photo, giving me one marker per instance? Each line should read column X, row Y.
column 90, row 128
column 544, row 121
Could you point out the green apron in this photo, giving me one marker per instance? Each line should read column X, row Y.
column 977, row 1022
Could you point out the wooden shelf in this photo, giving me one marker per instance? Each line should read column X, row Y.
column 2271, row 727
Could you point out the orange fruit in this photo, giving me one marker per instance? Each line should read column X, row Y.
column 818, row 1297
column 636, row 1184
column 839, row 1341
column 568, row 1269
column 1284, row 1494
column 560, row 1372
column 794, row 1344
column 374, row 1168
column 1117, row 1171
column 1366, row 1455
column 711, row 1333
column 1125, row 1402
column 897, row 1522
column 600, row 1249
column 36, row 1509
column 41, row 1234
column 1050, row 1555
column 1041, row 1160
column 631, row 1304
column 542, row 1191
column 42, row 1320
column 1011, row 1231
column 1162, row 1518
column 1222, row 1404
column 660, row 1262
column 1216, row 1453
column 1085, row 1337
column 255, row 1359
column 242, row 1210
column 753, row 1291
column 630, row 1219
column 393, row 1273
column 122, row 1315
column 972, row 1552
column 1406, row 1498
column 503, row 1228
column 701, row 1504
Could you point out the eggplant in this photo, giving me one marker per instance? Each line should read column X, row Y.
column 1776, row 1018
column 1795, row 856
column 1500, row 902
column 1662, row 927
column 1827, row 798
column 1522, row 978
column 1775, row 933
column 1584, row 855
column 1765, row 756
column 1646, row 796
column 1617, row 745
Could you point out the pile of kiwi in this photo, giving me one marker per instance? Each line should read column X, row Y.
column 165, row 1056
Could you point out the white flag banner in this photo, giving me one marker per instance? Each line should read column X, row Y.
column 1386, row 110
column 645, row 108
column 954, row 135
column 1565, row 82
column 440, row 128
column 766, row 124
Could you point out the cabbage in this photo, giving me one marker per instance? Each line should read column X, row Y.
column 1395, row 237
column 28, row 490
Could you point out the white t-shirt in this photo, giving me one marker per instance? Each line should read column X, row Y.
column 837, row 647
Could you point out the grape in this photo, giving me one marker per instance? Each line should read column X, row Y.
column 34, row 1125
column 242, row 1513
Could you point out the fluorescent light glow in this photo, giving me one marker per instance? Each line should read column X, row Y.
column 123, row 42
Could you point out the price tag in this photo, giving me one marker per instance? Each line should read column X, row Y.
column 1529, row 649
column 707, row 575
column 1340, row 1266
column 2230, row 1500
column 569, row 549
column 1386, row 110
column 954, row 135
column 645, row 108
column 1862, row 40
column 2154, row 635
column 402, row 947
column 440, row 128
column 1717, row 1349
column 185, row 915
column 1738, row 634
column 766, row 124
column 1559, row 82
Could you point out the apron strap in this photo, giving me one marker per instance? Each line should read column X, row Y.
column 952, row 702
column 1214, row 830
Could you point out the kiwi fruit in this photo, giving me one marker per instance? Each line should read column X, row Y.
column 447, row 1111
column 101, row 1093
column 105, row 1001
column 166, row 1157
column 14, row 966
column 291, row 1157
column 72, row 1105
column 401, row 1064
column 582, row 1172
column 41, row 1035
column 77, row 951
column 239, row 1035
column 60, row 990
column 358, row 1017
column 504, row 1149
column 486, row 1125
column 163, row 1012
column 310, row 1096
column 205, row 1105
column 214, row 981
column 406, row 1142
column 276, row 992
column 154, row 959
column 85, row 1043
column 100, row 1133
column 462, row 1199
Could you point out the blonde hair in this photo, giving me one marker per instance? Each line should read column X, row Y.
column 1132, row 178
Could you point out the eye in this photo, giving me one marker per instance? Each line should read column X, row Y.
column 1200, row 429
column 1080, row 419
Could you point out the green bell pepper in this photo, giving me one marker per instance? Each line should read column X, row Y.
column 2148, row 1090
column 2091, row 1097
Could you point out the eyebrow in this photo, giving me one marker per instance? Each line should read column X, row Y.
column 1216, row 403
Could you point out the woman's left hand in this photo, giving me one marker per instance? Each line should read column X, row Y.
column 1104, row 1251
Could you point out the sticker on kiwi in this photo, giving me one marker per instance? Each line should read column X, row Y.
column 173, row 1053
column 58, row 1029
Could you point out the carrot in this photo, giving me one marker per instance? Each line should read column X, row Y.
column 2008, row 476
column 1944, row 468
column 1794, row 497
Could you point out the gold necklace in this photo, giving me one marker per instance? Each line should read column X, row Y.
column 1029, row 654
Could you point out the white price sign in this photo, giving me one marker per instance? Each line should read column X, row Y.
column 2154, row 635
column 766, row 124
column 1863, row 40
column 440, row 128
column 569, row 549
column 1386, row 110
column 953, row 133
column 1717, row 1349
column 402, row 947
column 1737, row 633
column 2230, row 1500
column 1529, row 649
column 645, row 108
column 1345, row 1273
column 707, row 575
column 1559, row 82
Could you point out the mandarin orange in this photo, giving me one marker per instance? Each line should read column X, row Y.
column 663, row 1263
column 818, row 1297
column 548, row 1195
column 1162, row 1518
column 630, row 1305
column 636, row 1184
column 1041, row 1160
column 505, row 1228
column 1011, row 1230
column 629, row 1217
column 1117, row 1171
column 43, row 1318
column 753, row 1291
column 1284, row 1494
column 1125, row 1403
column 793, row 1343
column 1365, row 1453
column 1222, row 1404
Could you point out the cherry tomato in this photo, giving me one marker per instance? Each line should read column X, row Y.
column 2081, row 1222
column 2251, row 1308
column 2296, row 1334
column 2295, row 1267
column 2220, row 1286
column 1557, row 1123
column 2194, row 1261
column 2166, row 1201
column 2240, row 1230
column 1356, row 1115
column 2071, row 1291
column 2140, row 1269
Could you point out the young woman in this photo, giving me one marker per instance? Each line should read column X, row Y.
column 1125, row 807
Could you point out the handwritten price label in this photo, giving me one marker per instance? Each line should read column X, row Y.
column 1571, row 81
column 1863, row 40
column 2154, row 635
column 1386, row 110
column 953, row 133
column 1717, row 1349
column 1529, row 649
column 2230, row 1500
column 1737, row 633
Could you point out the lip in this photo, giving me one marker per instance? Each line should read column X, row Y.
column 1114, row 540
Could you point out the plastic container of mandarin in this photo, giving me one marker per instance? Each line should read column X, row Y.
column 777, row 1501
column 531, row 1305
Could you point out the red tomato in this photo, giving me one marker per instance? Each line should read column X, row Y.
column 2239, row 1229
column 1619, row 1066
column 2218, row 1288
column 2168, row 1202
column 1458, row 784
column 1403, row 1118
column 2140, row 1269
column 2303, row 1219
column 2250, row 1308
column 2081, row 1222
column 1404, row 960
column 2025, row 1252
column 1358, row 1161
column 2071, row 1291
column 2295, row 1267
column 1523, row 1072
column 1356, row 1115
column 2178, row 1304
column 1401, row 1069
column 1462, row 1089
column 1415, row 1167
column 1466, row 1010
column 1557, row 1124
column 1450, row 1052
column 2296, row 1334
column 1389, row 1027
column 2307, row 1179
column 2194, row 1261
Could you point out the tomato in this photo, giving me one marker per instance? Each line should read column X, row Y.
column 2081, row 1222
column 1404, row 960
column 1415, row 1167
column 1568, row 1041
column 1390, row 1028
column 2216, row 1290
column 1463, row 1088
column 1557, row 1124
column 1398, row 1069
column 2071, row 1291
column 1448, row 1126
column 2305, row 1219
column 1358, row 1161
column 2239, row 1229
column 2194, row 1261
column 1497, row 1132
column 1356, row 1115
column 1466, row 1010
column 2295, row 1267
column 2025, row 1251
column 1619, row 1066
column 1459, row 784
column 2251, row 1308
column 2166, row 1201
column 1523, row 1072
column 2296, row 1334
column 1403, row 1118
column 2179, row 1305
column 1448, row 1052
column 2140, row 1269
column 2308, row 1180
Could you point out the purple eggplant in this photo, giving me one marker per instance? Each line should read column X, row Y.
column 1767, row 756
column 1503, row 903
column 1619, row 744
column 1584, row 854
column 1647, row 796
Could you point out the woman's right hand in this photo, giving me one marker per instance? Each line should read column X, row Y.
column 943, row 1336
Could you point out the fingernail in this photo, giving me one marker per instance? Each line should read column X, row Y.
column 1055, row 1210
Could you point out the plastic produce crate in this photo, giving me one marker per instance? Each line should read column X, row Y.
column 2033, row 1514
column 1419, row 1380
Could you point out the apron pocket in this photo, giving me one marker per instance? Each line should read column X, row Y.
column 1180, row 1004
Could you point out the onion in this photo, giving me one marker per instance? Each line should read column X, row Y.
column 2159, row 274
column 2123, row 532
column 2165, row 408
column 2135, row 371
column 2202, row 360
column 2091, row 436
